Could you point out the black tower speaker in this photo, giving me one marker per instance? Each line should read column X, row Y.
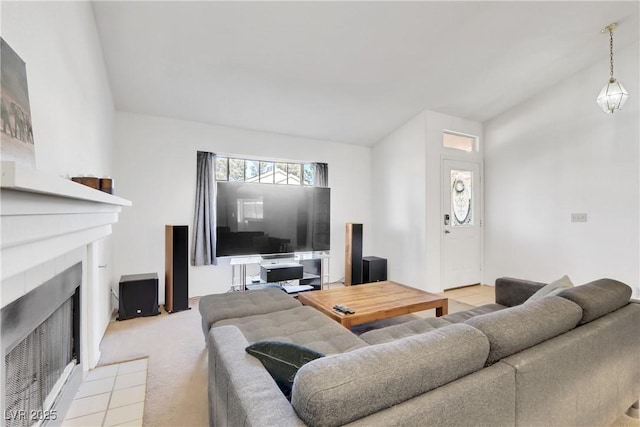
column 353, row 255
column 176, row 290
column 138, row 296
column 374, row 269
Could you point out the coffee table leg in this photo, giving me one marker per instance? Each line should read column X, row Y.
column 443, row 310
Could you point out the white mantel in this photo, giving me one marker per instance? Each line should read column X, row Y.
column 45, row 216
column 48, row 223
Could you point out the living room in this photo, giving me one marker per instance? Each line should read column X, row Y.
column 546, row 149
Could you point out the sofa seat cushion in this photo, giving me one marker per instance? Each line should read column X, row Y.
column 335, row 390
column 462, row 316
column 301, row 325
column 516, row 328
column 403, row 330
column 598, row 298
column 216, row 307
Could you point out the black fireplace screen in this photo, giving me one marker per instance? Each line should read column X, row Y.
column 34, row 365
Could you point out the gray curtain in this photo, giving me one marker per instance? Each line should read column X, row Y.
column 320, row 175
column 203, row 251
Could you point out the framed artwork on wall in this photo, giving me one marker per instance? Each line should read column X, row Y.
column 16, row 132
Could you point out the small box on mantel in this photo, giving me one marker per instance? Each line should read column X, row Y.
column 102, row 184
column 106, row 185
column 89, row 181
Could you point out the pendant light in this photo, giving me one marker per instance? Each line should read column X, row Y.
column 613, row 95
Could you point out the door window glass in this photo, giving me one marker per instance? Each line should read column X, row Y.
column 461, row 198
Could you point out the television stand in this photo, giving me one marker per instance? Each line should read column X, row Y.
column 315, row 269
column 239, row 271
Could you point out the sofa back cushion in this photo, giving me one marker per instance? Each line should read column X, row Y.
column 338, row 389
column 303, row 325
column 516, row 328
column 232, row 305
column 511, row 291
column 598, row 298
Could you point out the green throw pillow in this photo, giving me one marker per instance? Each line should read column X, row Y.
column 282, row 360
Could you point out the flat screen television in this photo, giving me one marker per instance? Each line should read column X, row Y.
column 261, row 219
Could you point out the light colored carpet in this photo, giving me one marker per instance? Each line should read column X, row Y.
column 177, row 370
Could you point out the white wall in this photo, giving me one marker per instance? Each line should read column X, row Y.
column 559, row 154
column 398, row 205
column 407, row 196
column 155, row 162
column 71, row 105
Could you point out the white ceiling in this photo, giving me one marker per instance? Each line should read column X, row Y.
column 347, row 71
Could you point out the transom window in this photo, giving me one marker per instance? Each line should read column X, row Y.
column 459, row 141
column 246, row 170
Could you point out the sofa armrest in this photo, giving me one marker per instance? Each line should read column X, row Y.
column 241, row 391
column 511, row 292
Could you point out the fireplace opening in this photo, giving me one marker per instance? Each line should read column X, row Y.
column 41, row 348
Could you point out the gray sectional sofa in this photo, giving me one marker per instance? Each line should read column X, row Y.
column 566, row 360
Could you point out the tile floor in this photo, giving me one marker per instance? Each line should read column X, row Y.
column 111, row 395
column 472, row 295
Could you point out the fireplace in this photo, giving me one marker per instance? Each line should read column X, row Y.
column 55, row 281
column 41, row 348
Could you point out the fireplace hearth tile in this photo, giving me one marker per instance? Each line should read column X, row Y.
column 88, row 405
column 130, row 380
column 127, row 396
column 91, row 388
column 133, row 366
column 124, row 414
column 85, row 421
column 121, row 405
column 102, row 372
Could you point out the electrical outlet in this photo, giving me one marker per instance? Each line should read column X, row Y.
column 578, row 217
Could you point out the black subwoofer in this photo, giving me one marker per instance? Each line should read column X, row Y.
column 138, row 296
column 374, row 269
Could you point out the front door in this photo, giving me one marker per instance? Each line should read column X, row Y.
column 461, row 222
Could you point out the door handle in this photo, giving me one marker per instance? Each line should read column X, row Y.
column 446, row 232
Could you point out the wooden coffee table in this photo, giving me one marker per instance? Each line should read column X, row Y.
column 373, row 301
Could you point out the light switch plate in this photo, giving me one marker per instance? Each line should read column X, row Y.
column 578, row 217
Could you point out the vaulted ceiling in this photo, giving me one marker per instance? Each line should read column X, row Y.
column 347, row 71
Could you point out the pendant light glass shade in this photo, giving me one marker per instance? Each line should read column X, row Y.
column 612, row 96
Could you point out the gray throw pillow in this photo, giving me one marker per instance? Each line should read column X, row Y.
column 553, row 288
column 282, row 360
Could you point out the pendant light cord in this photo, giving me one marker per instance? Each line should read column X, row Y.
column 611, row 53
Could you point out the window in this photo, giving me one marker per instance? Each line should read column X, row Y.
column 461, row 198
column 245, row 170
column 459, row 141
column 236, row 170
column 251, row 171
